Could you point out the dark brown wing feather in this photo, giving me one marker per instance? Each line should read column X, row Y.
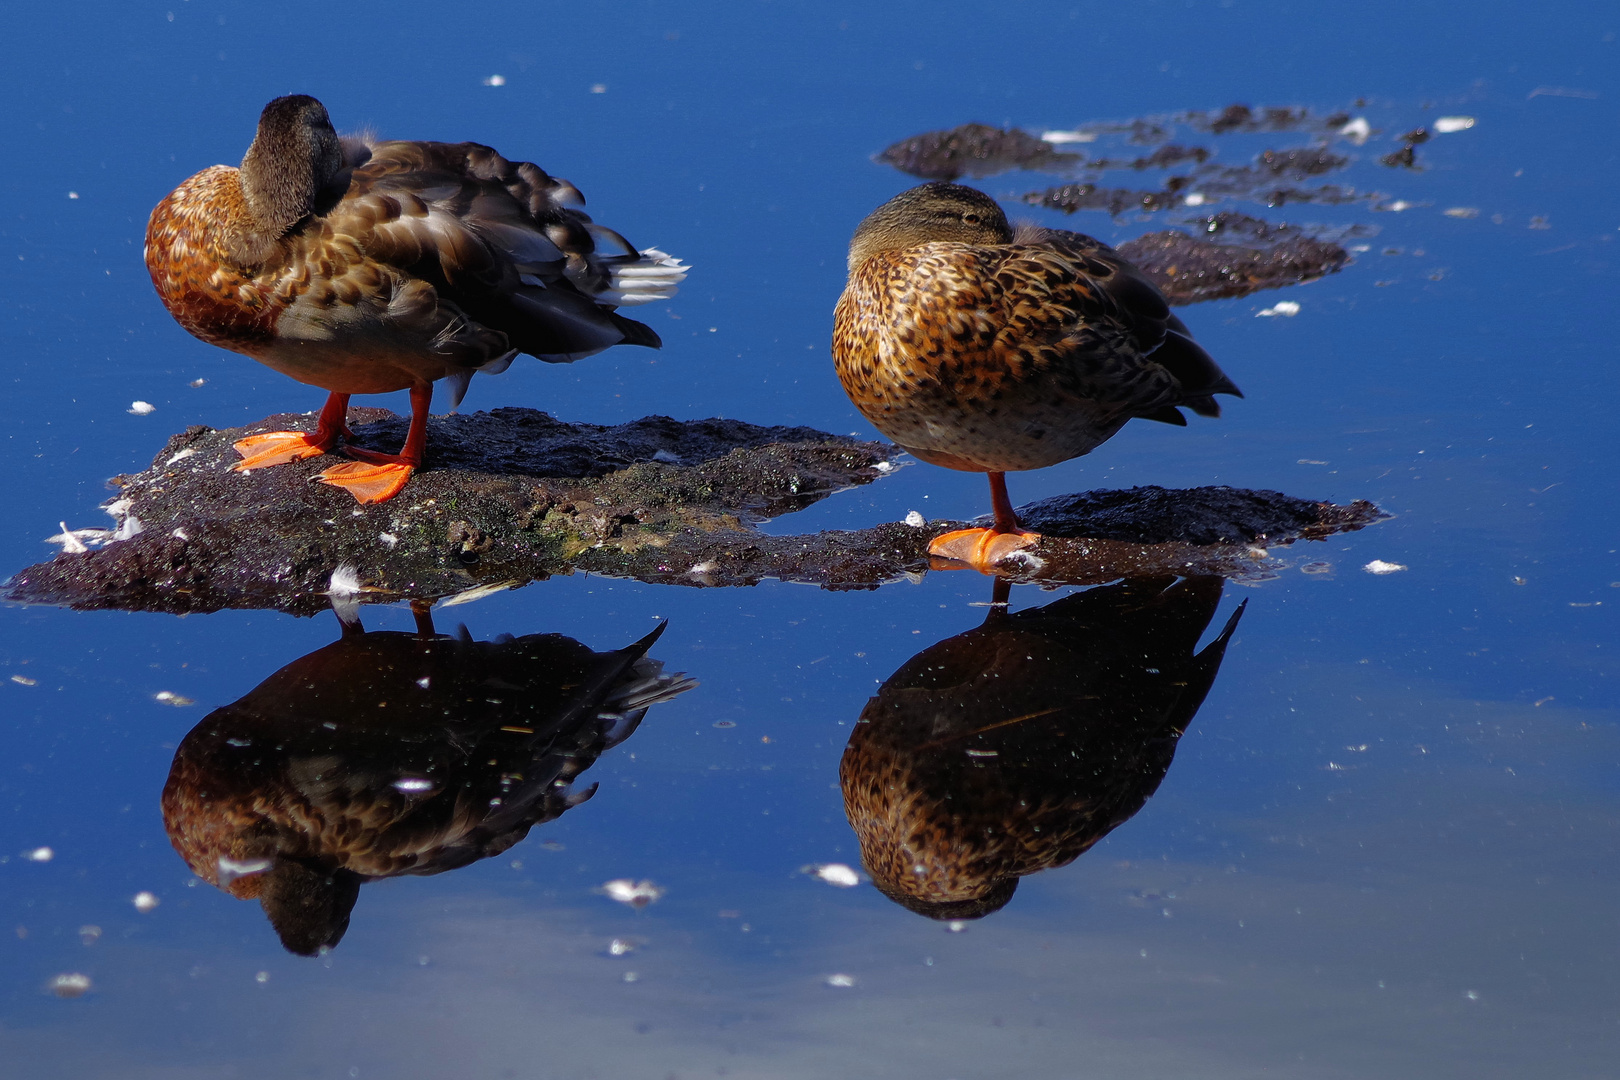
column 501, row 240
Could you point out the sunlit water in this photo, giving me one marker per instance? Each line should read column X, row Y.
column 1387, row 843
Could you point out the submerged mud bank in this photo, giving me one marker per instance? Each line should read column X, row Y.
column 514, row 496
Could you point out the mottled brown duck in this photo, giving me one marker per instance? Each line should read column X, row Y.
column 977, row 346
column 367, row 267
column 1014, row 747
column 390, row 753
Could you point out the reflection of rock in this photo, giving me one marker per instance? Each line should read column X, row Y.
column 389, row 753
column 1015, row 747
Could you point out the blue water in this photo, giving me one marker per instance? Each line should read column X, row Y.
column 1387, row 844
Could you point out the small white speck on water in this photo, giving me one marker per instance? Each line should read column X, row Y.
column 39, row 854
column 1357, row 131
column 1285, row 308
column 1445, row 125
column 838, row 874
column 70, row 985
column 141, row 408
column 1379, row 566
column 495, row 80
column 145, row 901
column 638, row 894
column 261, row 977
column 841, row 981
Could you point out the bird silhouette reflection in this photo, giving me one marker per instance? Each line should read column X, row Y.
column 391, row 753
column 1014, row 747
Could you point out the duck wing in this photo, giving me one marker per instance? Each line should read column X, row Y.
column 502, row 243
column 1077, row 305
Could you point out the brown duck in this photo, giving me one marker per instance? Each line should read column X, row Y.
column 366, row 267
column 1014, row 747
column 980, row 347
column 392, row 753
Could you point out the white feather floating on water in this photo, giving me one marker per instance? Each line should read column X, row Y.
column 478, row 592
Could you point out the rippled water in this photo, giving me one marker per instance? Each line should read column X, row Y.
column 1386, row 843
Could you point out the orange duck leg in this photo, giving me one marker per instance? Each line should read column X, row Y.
column 375, row 477
column 982, row 549
column 279, row 447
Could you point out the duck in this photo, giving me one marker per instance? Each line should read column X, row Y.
column 387, row 754
column 978, row 346
column 1014, row 747
column 367, row 267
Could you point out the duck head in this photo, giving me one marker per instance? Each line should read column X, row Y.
column 931, row 213
column 295, row 154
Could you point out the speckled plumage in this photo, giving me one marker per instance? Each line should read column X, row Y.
column 385, row 754
column 1014, row 747
column 976, row 347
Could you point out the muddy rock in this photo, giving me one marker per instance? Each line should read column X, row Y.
column 509, row 495
column 1188, row 268
column 975, row 150
column 515, row 496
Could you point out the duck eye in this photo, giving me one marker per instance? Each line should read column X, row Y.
column 970, row 218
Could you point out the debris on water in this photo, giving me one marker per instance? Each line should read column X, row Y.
column 1464, row 212
column 974, row 150
column 1445, row 125
column 915, row 520
column 1190, row 269
column 196, row 383
column 89, row 935
column 1288, row 308
column 956, row 926
column 838, row 874
column 70, row 985
column 1064, row 138
column 478, row 592
column 621, row 947
column 630, row 977
column 1357, row 131
column 1316, row 568
column 23, row 680
column 638, row 894
column 141, row 408
column 168, row 697
column 39, row 854
column 1379, row 566
column 261, row 977
column 495, row 80
column 145, row 902
column 841, row 981
column 1537, row 222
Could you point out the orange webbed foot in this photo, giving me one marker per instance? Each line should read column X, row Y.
column 277, row 448
column 368, row 481
column 981, row 549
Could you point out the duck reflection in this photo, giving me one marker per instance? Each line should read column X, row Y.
column 1014, row 747
column 390, row 753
